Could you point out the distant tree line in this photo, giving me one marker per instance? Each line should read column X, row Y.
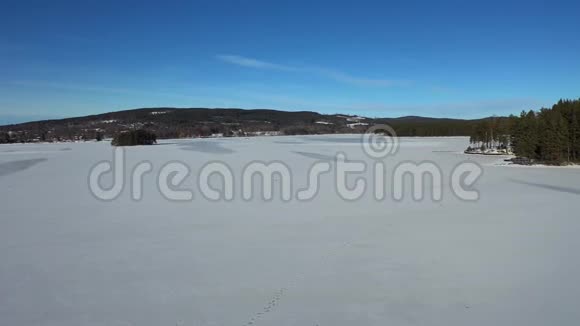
column 200, row 122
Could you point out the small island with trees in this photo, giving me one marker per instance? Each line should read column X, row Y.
column 134, row 138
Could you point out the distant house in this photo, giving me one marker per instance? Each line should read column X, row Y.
column 356, row 124
column 355, row 119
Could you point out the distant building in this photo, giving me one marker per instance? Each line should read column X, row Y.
column 356, row 124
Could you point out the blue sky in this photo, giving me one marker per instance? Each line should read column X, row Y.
column 385, row 58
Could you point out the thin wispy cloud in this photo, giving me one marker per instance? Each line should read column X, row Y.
column 360, row 81
column 333, row 74
column 253, row 63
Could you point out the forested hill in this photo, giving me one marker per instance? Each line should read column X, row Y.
column 202, row 122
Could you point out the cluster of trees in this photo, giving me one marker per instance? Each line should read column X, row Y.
column 492, row 133
column 5, row 138
column 134, row 137
column 549, row 135
column 18, row 137
column 28, row 136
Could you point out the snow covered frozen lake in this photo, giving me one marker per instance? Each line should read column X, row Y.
column 68, row 258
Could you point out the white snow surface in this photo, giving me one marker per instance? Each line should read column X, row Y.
column 67, row 258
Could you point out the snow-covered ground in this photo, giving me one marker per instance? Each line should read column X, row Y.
column 67, row 258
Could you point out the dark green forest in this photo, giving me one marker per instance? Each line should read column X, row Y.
column 550, row 135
